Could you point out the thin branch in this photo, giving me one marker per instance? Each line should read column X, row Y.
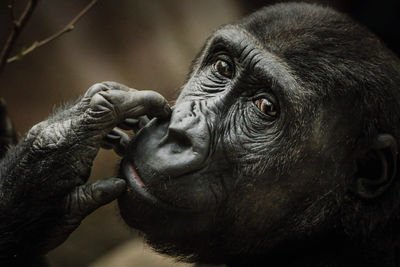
column 11, row 7
column 18, row 26
column 69, row 27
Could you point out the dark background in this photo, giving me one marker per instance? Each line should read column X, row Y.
column 143, row 44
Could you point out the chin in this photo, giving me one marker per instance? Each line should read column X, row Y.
column 166, row 211
column 138, row 207
column 146, row 208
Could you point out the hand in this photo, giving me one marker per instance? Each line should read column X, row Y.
column 42, row 190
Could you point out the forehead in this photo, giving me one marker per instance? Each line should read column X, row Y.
column 295, row 23
column 322, row 49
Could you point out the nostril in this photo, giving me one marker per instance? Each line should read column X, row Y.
column 179, row 137
column 177, row 140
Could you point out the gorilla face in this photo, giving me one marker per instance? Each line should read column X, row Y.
column 261, row 143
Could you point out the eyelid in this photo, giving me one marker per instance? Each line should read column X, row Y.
column 224, row 55
column 267, row 95
column 216, row 48
column 219, row 75
column 264, row 115
column 220, row 55
column 270, row 97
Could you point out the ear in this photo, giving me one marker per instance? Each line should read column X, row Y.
column 377, row 168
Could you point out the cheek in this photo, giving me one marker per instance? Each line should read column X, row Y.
column 274, row 207
column 241, row 127
column 270, row 197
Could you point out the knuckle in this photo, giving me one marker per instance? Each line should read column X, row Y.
column 97, row 87
column 96, row 194
column 100, row 102
column 153, row 98
column 80, row 200
column 115, row 85
column 56, row 136
column 86, row 195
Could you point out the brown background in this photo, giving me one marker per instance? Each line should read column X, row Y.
column 145, row 44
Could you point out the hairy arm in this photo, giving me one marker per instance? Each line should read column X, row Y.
column 43, row 195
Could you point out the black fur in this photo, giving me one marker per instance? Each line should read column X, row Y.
column 284, row 156
column 316, row 185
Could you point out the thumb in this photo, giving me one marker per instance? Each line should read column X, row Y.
column 82, row 201
column 85, row 199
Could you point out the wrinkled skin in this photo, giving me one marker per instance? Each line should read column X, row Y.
column 43, row 196
column 281, row 150
column 225, row 180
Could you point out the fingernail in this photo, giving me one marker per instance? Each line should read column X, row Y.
column 119, row 182
column 167, row 109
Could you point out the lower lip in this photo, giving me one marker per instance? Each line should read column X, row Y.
column 135, row 182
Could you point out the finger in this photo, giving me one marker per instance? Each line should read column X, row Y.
column 117, row 86
column 131, row 104
column 143, row 120
column 85, row 199
column 129, row 124
column 114, row 135
column 117, row 140
column 105, row 86
column 134, row 124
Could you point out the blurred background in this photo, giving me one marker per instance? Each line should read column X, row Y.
column 145, row 45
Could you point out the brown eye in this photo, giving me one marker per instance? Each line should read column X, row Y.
column 266, row 106
column 223, row 68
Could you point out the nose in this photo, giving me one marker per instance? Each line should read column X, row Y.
column 174, row 147
column 188, row 128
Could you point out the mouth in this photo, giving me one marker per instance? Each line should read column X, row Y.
column 135, row 182
column 138, row 187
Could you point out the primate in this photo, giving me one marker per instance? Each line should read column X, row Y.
column 281, row 150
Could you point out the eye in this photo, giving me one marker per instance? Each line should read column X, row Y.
column 266, row 107
column 223, row 68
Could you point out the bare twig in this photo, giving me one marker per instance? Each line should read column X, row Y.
column 11, row 7
column 69, row 27
column 18, row 26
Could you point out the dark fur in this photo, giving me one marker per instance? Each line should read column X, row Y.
column 341, row 91
column 278, row 191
